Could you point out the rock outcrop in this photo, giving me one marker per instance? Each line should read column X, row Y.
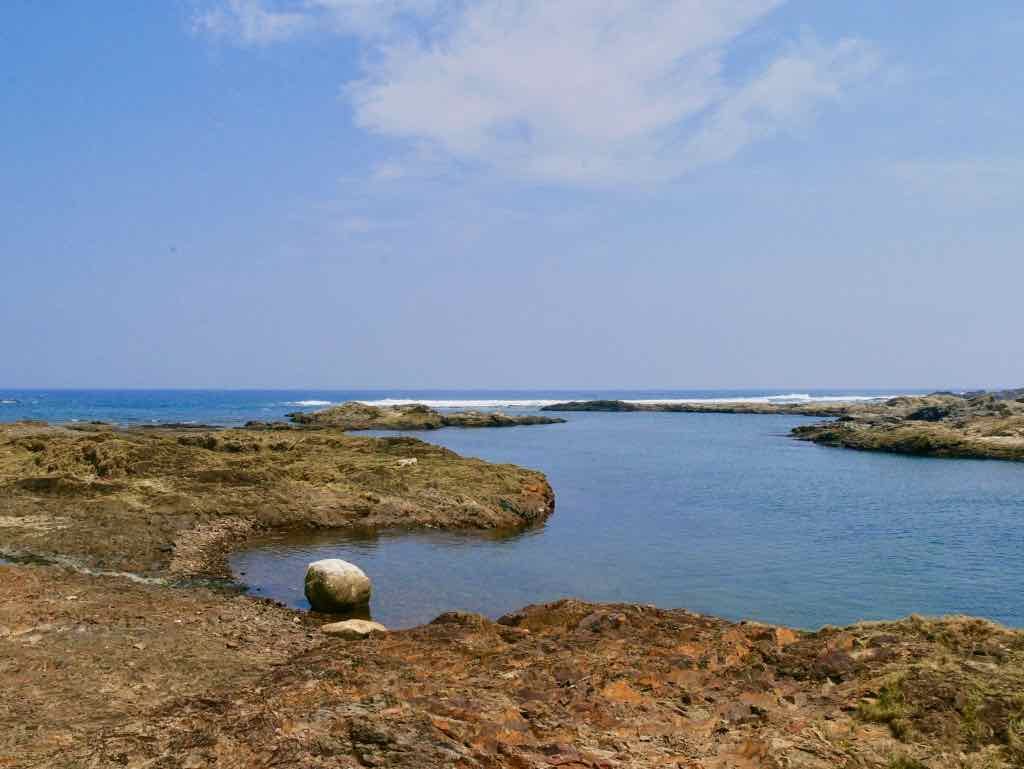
column 985, row 425
column 817, row 409
column 361, row 416
column 244, row 683
column 941, row 425
column 147, row 500
column 333, row 585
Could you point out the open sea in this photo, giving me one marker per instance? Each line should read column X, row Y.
column 718, row 513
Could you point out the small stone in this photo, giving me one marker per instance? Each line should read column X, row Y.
column 353, row 629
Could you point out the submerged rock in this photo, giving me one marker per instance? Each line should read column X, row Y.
column 335, row 585
column 353, row 629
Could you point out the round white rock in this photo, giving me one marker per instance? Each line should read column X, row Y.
column 334, row 585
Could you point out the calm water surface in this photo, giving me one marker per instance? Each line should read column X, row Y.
column 722, row 514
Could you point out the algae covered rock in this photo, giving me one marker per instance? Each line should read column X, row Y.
column 335, row 585
column 982, row 426
column 413, row 416
column 127, row 497
column 362, row 416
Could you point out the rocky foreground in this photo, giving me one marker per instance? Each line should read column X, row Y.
column 102, row 672
column 172, row 501
column 361, row 416
column 982, row 425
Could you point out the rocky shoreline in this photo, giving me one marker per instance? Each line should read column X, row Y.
column 416, row 416
column 818, row 409
column 940, row 425
column 979, row 425
column 173, row 501
column 116, row 655
column 100, row 672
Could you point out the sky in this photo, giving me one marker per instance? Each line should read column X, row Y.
column 511, row 194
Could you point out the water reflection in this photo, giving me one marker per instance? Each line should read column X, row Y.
column 414, row 572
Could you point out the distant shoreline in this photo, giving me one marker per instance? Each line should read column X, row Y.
column 973, row 425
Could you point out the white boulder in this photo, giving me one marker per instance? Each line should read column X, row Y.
column 334, row 585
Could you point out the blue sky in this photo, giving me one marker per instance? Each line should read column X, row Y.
column 410, row 193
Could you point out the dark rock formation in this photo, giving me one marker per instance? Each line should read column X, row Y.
column 361, row 416
column 598, row 405
column 818, row 409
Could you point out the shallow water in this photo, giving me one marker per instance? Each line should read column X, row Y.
column 719, row 513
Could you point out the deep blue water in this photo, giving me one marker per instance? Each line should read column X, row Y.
column 719, row 513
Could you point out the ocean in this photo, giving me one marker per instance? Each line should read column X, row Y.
column 719, row 513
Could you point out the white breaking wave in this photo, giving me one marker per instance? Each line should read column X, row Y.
column 7, row 402
column 308, row 403
column 793, row 398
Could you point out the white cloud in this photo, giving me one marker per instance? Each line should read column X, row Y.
column 574, row 91
column 370, row 18
column 250, row 23
column 786, row 93
column 261, row 22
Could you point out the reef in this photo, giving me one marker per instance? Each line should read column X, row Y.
column 979, row 426
column 416, row 416
column 173, row 501
column 816, row 409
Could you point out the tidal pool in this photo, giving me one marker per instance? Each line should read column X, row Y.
column 718, row 513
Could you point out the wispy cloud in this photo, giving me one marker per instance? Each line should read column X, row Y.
column 248, row 22
column 576, row 92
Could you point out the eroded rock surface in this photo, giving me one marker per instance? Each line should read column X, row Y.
column 238, row 684
column 988, row 426
column 175, row 501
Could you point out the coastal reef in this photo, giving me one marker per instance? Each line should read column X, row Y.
column 981, row 426
column 100, row 672
column 815, row 409
column 415, row 416
column 172, row 501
